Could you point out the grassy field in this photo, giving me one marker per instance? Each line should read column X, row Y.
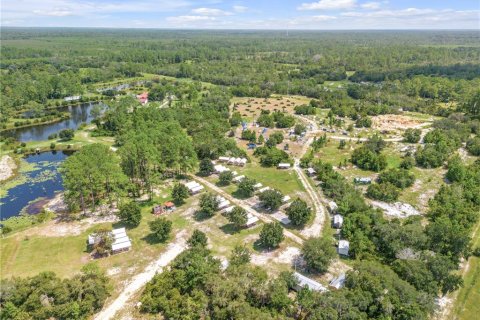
column 31, row 251
column 466, row 305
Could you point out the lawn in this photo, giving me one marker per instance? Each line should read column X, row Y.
column 26, row 253
column 286, row 181
column 466, row 305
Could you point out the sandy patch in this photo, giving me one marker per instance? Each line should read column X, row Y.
column 397, row 209
column 285, row 256
column 389, row 122
column 57, row 204
column 7, row 167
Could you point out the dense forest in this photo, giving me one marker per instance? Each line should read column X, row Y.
column 392, row 69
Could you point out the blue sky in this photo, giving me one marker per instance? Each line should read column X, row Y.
column 244, row 14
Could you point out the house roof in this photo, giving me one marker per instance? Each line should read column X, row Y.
column 308, row 283
column 169, row 204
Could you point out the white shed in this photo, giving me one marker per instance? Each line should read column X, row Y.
column 343, row 247
column 337, row 221
column 283, row 166
column 304, row 282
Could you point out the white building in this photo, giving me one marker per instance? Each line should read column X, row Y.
column 304, row 282
column 337, row 221
column 343, row 247
column 220, row 168
column 222, row 202
column 311, row 172
column 251, row 220
column 194, row 187
column 238, row 178
column 258, row 186
column 285, row 199
column 72, row 98
column 263, row 189
column 332, row 206
column 283, row 166
column 338, row 282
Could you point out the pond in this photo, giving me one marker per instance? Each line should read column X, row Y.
column 78, row 115
column 40, row 180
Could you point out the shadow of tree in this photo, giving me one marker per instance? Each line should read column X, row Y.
column 230, row 229
column 200, row 216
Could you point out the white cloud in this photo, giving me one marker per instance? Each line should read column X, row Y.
column 371, row 5
column 211, row 12
column 328, row 5
column 240, row 9
column 187, row 19
column 323, row 18
column 54, row 13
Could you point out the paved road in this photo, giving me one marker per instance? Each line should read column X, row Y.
column 141, row 279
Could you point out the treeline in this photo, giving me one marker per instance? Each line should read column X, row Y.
column 46, row 296
column 195, row 286
column 303, row 62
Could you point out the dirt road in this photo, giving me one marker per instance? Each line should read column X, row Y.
column 247, row 207
column 141, row 279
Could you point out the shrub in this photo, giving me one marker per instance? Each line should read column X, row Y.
column 412, row 135
column 271, row 235
column 130, row 213
column 66, row 134
column 208, row 204
column 473, row 146
column 271, row 199
column 198, row 238
column 238, row 217
column 225, row 178
column 385, row 192
column 298, row 212
column 206, row 167
column 318, row 253
column 401, row 178
column 161, row 228
column 179, row 193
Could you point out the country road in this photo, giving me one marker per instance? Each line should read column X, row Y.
column 141, row 279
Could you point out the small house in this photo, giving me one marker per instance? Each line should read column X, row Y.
column 222, row 203
column 238, row 178
column 223, row 159
column 251, row 220
column 311, row 172
column 220, row 168
column 332, row 207
column 343, row 247
column 257, row 186
column 338, row 282
column 72, row 98
column 228, row 210
column 169, row 206
column 304, row 282
column 262, row 190
column 158, row 209
column 196, row 189
column 283, row 166
column 362, row 180
column 337, row 221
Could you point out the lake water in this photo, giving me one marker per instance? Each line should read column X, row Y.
column 79, row 114
column 41, row 182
